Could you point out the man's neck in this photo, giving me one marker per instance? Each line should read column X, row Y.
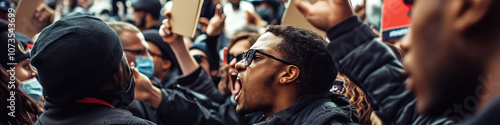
column 282, row 102
column 163, row 74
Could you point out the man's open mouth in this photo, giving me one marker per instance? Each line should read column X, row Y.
column 238, row 81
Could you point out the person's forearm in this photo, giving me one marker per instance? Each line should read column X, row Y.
column 155, row 97
column 186, row 61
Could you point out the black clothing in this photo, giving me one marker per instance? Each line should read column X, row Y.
column 316, row 109
column 201, row 82
column 87, row 114
column 373, row 67
column 70, row 64
column 192, row 100
column 489, row 116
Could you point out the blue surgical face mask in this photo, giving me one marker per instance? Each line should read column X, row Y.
column 33, row 88
column 144, row 65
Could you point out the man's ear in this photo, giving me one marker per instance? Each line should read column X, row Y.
column 467, row 13
column 290, row 75
column 166, row 65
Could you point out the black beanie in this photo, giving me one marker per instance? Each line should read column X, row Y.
column 212, row 59
column 75, row 56
column 18, row 48
column 154, row 37
column 152, row 7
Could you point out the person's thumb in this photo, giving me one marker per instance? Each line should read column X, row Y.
column 303, row 6
column 136, row 73
column 218, row 10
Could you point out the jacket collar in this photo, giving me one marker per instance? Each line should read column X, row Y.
column 287, row 114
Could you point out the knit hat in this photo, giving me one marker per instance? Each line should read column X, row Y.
column 154, row 37
column 212, row 58
column 75, row 56
column 166, row 51
column 18, row 48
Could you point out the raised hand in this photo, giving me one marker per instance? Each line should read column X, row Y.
column 254, row 18
column 216, row 24
column 166, row 31
column 187, row 63
column 325, row 13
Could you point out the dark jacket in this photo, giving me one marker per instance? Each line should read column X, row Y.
column 374, row 67
column 182, row 106
column 87, row 114
column 316, row 109
column 188, row 102
column 200, row 81
column 227, row 111
column 179, row 100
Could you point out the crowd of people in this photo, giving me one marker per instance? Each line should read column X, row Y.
column 120, row 62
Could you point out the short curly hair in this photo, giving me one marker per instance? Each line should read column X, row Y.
column 307, row 50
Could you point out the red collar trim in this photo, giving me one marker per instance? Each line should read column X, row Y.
column 94, row 100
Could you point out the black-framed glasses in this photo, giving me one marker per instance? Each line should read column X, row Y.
column 157, row 55
column 230, row 57
column 250, row 54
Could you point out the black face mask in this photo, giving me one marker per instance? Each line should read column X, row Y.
column 265, row 14
column 123, row 97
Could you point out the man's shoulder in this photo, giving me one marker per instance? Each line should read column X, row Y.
column 336, row 109
column 119, row 116
column 94, row 115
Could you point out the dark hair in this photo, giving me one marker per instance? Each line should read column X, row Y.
column 152, row 7
column 358, row 99
column 252, row 38
column 26, row 109
column 307, row 50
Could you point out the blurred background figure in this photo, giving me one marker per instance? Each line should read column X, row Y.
column 270, row 11
column 135, row 47
column 146, row 14
column 166, row 67
column 236, row 15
